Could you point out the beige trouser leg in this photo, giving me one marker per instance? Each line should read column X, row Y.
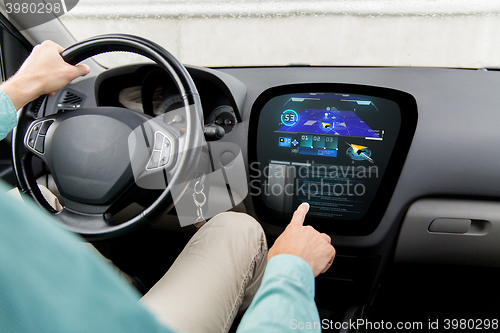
column 218, row 271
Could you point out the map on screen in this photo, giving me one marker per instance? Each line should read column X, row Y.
column 332, row 122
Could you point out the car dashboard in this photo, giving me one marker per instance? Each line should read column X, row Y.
column 430, row 132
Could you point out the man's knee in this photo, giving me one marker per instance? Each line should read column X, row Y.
column 238, row 225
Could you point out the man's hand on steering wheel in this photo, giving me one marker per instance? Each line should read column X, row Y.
column 43, row 72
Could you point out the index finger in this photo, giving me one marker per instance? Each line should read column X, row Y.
column 58, row 47
column 52, row 44
column 300, row 214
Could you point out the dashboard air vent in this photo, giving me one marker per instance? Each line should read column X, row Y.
column 70, row 100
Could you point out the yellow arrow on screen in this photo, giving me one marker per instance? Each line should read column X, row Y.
column 355, row 148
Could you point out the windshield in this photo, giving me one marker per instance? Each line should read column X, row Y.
column 222, row 33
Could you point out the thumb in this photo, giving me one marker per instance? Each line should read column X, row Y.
column 300, row 214
column 82, row 70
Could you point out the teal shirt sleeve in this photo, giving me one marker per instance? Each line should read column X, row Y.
column 50, row 281
column 285, row 299
column 8, row 115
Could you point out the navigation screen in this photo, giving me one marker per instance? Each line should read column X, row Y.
column 329, row 149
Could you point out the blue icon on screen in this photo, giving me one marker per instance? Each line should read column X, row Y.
column 285, row 142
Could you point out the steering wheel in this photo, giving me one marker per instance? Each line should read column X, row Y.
column 89, row 151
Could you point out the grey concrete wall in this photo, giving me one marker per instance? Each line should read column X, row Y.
column 360, row 33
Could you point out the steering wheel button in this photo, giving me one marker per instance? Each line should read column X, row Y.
column 45, row 127
column 32, row 138
column 34, row 131
column 40, row 142
column 165, row 157
column 154, row 160
column 158, row 140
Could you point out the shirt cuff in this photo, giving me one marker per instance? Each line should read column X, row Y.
column 8, row 115
column 292, row 267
